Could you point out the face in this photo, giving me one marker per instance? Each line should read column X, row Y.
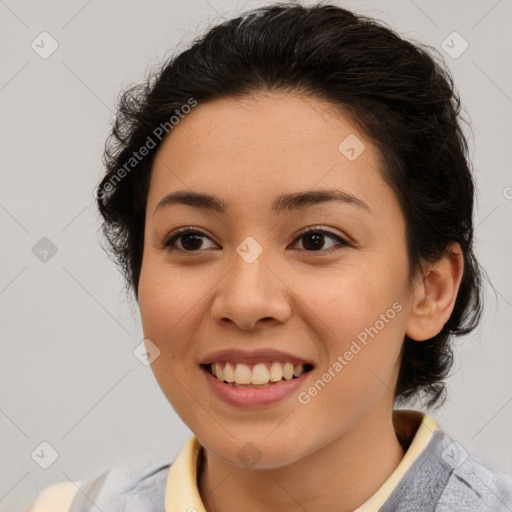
column 248, row 286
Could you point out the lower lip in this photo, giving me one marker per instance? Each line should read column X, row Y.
column 253, row 397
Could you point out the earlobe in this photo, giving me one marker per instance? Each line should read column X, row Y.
column 435, row 294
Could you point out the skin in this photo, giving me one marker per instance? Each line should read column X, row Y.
column 336, row 451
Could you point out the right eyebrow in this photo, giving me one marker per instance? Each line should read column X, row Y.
column 288, row 202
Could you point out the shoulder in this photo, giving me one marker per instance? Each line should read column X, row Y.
column 56, row 497
column 473, row 483
column 142, row 487
column 446, row 478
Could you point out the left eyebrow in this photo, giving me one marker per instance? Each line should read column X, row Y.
column 288, row 202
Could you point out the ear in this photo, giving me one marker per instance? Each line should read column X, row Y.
column 434, row 295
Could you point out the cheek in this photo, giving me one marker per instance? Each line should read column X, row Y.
column 166, row 300
column 360, row 316
column 348, row 301
column 166, row 306
column 360, row 365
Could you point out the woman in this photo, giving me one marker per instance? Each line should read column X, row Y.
column 291, row 203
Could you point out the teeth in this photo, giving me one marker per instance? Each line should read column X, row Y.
column 243, row 374
column 288, row 371
column 276, row 372
column 298, row 370
column 229, row 373
column 262, row 374
column 218, row 371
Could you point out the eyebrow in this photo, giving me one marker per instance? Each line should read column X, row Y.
column 285, row 202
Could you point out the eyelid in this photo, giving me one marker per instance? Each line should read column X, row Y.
column 169, row 240
column 174, row 235
column 344, row 240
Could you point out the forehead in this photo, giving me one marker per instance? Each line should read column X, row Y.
column 251, row 150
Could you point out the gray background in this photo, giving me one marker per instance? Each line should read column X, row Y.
column 68, row 374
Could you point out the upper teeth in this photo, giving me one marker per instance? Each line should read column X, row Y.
column 261, row 373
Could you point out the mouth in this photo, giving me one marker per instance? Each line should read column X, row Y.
column 259, row 375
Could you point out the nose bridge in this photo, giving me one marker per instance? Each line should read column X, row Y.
column 250, row 272
column 250, row 290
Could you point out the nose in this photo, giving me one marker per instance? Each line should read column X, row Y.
column 251, row 294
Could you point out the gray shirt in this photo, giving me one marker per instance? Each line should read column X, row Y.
column 444, row 478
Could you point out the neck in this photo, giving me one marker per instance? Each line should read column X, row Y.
column 339, row 477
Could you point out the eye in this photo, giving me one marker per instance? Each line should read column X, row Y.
column 191, row 240
column 314, row 238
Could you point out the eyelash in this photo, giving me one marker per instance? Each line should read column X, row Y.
column 168, row 243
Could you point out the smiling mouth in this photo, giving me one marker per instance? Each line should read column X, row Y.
column 255, row 375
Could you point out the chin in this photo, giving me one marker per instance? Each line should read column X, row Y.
column 258, row 453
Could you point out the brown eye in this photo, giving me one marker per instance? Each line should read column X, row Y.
column 314, row 240
column 191, row 240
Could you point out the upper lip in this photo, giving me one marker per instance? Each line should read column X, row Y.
column 252, row 356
